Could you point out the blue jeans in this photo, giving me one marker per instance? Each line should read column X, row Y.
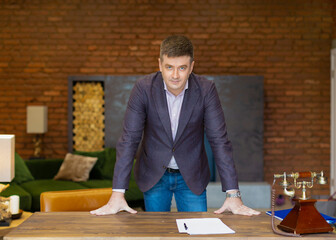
column 159, row 197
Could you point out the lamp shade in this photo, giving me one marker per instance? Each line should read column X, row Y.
column 37, row 119
column 7, row 157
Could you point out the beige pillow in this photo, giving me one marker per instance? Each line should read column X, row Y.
column 76, row 168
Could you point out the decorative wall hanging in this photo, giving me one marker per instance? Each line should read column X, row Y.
column 88, row 116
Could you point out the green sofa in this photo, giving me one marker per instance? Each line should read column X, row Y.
column 32, row 177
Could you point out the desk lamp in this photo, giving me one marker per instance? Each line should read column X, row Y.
column 37, row 123
column 7, row 172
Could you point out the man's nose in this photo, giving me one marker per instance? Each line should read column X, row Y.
column 176, row 73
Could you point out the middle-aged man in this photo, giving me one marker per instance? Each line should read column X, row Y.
column 168, row 112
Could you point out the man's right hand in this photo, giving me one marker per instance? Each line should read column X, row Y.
column 116, row 204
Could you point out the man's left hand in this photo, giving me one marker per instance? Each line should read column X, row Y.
column 236, row 206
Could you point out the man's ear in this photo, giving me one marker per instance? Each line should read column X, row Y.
column 160, row 64
column 192, row 66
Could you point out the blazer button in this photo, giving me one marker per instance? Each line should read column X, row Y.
column 173, row 149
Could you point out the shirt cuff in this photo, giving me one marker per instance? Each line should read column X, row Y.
column 119, row 190
column 229, row 190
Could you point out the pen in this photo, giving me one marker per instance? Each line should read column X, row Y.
column 185, row 226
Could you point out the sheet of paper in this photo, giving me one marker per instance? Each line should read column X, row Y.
column 194, row 226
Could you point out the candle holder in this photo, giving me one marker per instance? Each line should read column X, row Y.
column 5, row 214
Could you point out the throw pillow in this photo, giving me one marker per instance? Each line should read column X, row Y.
column 76, row 168
column 22, row 173
column 104, row 167
column 98, row 168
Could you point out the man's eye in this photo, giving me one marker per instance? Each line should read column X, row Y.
column 169, row 67
column 182, row 68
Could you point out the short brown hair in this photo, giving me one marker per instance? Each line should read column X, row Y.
column 177, row 46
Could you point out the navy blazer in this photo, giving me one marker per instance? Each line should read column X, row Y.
column 147, row 121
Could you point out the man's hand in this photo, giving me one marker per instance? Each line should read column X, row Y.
column 236, row 206
column 116, row 204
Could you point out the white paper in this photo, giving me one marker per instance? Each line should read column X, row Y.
column 202, row 226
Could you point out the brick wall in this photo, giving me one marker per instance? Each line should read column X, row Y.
column 288, row 42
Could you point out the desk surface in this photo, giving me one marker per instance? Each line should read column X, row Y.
column 143, row 225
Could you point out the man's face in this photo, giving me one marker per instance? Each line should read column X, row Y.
column 175, row 72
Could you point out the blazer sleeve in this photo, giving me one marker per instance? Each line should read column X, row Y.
column 128, row 143
column 216, row 132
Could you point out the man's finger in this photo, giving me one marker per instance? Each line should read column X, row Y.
column 243, row 210
column 221, row 210
column 130, row 210
column 254, row 212
column 103, row 211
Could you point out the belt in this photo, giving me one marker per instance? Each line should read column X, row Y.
column 172, row 170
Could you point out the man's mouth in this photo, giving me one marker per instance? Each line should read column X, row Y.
column 175, row 81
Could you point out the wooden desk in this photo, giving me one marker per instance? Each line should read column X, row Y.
column 143, row 225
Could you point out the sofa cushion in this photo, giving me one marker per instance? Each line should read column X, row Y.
column 96, row 172
column 25, row 197
column 38, row 167
column 35, row 188
column 22, row 173
column 133, row 193
column 104, row 167
column 76, row 168
column 110, row 160
column 97, row 183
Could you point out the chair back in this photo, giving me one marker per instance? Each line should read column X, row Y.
column 74, row 200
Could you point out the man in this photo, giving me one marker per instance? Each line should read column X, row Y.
column 168, row 112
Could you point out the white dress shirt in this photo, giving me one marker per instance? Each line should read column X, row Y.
column 174, row 109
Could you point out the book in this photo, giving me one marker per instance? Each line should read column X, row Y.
column 281, row 214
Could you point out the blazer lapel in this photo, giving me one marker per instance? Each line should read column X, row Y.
column 190, row 99
column 160, row 101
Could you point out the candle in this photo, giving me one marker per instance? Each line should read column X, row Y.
column 14, row 204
